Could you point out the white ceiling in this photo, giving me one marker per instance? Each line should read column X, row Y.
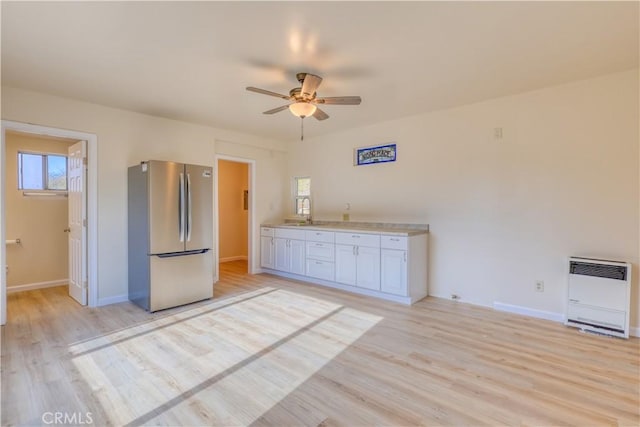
column 192, row 60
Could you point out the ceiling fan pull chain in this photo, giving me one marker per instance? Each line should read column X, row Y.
column 302, row 129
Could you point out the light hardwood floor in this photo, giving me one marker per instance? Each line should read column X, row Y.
column 273, row 352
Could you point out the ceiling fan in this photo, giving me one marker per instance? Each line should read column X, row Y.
column 304, row 101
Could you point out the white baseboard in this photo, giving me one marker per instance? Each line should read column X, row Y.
column 548, row 315
column 39, row 285
column 233, row 258
column 531, row 312
column 112, row 300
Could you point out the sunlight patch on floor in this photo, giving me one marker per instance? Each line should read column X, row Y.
column 223, row 363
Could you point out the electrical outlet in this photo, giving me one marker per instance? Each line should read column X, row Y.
column 539, row 286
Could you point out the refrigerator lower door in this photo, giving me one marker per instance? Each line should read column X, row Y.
column 181, row 279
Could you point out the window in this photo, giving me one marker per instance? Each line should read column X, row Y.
column 44, row 172
column 302, row 195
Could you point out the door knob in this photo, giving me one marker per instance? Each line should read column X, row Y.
column 67, row 230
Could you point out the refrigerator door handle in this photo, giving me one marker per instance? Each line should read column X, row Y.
column 190, row 220
column 181, row 208
column 185, row 253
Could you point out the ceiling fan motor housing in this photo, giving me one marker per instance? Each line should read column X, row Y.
column 296, row 93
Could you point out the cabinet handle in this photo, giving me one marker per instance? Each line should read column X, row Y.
column 405, row 257
column 354, row 250
column 319, row 244
column 394, row 240
column 318, row 263
column 272, row 240
column 355, row 236
column 357, row 250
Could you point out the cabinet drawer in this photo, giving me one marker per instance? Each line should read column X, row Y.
column 321, row 251
column 319, row 236
column 358, row 239
column 288, row 233
column 394, row 242
column 267, row 231
column 321, row 269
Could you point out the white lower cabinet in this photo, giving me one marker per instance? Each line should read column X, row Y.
column 324, row 270
column 393, row 272
column 346, row 264
column 358, row 265
column 390, row 266
column 266, row 247
column 266, row 252
column 289, row 251
column 368, row 268
column 289, row 255
column 296, row 248
column 320, row 255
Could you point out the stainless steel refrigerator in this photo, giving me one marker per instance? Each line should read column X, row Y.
column 170, row 234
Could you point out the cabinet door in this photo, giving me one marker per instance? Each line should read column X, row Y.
column 346, row 264
column 266, row 252
column 393, row 269
column 281, row 256
column 320, row 269
column 296, row 256
column 368, row 268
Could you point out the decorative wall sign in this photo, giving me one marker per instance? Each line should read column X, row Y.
column 377, row 154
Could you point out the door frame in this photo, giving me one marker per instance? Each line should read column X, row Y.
column 92, row 204
column 250, row 222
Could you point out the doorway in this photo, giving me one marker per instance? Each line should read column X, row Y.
column 234, row 205
column 42, row 132
column 36, row 211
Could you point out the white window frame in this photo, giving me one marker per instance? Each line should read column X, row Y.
column 45, row 191
column 301, row 198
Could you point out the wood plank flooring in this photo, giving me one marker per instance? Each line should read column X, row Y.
column 267, row 351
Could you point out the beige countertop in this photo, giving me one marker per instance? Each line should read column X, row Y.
column 361, row 227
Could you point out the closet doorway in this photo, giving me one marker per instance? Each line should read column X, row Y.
column 234, row 211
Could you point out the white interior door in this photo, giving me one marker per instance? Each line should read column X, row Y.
column 77, row 222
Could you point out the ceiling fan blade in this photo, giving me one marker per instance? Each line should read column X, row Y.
column 276, row 110
column 310, row 85
column 339, row 100
column 267, row 92
column 320, row 115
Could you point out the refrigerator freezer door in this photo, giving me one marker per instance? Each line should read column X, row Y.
column 199, row 234
column 166, row 207
column 179, row 280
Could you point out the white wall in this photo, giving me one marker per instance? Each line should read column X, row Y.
column 563, row 180
column 126, row 138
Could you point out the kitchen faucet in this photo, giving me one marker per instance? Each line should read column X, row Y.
column 309, row 219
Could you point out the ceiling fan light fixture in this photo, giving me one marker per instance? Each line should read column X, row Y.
column 302, row 109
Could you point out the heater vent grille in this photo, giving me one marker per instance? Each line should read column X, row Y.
column 617, row 272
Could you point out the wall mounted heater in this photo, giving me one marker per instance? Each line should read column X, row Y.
column 599, row 296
